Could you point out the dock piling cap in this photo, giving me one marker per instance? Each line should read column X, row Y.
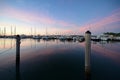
column 88, row 32
column 17, row 35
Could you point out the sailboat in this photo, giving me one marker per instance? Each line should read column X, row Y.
column 35, row 36
column 46, row 37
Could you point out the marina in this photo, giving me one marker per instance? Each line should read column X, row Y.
column 65, row 37
column 58, row 59
column 59, row 39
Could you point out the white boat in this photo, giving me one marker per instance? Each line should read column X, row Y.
column 61, row 38
column 36, row 37
column 45, row 37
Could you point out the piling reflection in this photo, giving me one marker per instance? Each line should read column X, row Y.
column 87, row 73
column 18, row 66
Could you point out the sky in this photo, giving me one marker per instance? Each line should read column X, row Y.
column 59, row 16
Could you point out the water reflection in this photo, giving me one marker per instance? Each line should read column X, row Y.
column 6, row 43
column 59, row 60
column 54, row 65
column 107, row 51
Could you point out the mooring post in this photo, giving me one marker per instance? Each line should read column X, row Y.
column 87, row 54
column 17, row 57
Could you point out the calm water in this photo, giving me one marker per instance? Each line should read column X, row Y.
column 58, row 60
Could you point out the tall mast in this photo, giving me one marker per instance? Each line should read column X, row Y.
column 4, row 31
column 0, row 31
column 15, row 30
column 35, row 31
column 46, row 31
column 11, row 30
column 31, row 30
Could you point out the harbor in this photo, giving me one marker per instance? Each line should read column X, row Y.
column 79, row 38
column 59, row 39
column 109, row 36
column 58, row 59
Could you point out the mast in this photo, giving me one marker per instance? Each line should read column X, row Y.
column 31, row 31
column 0, row 31
column 11, row 30
column 35, row 31
column 46, row 31
column 15, row 30
column 4, row 31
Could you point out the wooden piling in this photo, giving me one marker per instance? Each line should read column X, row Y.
column 87, row 55
column 17, row 57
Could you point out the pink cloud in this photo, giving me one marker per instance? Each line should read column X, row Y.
column 27, row 17
column 32, row 17
column 68, row 31
column 94, row 25
column 100, row 24
column 63, row 23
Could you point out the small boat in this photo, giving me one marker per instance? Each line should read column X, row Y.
column 36, row 37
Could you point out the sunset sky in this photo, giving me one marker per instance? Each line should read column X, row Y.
column 60, row 16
